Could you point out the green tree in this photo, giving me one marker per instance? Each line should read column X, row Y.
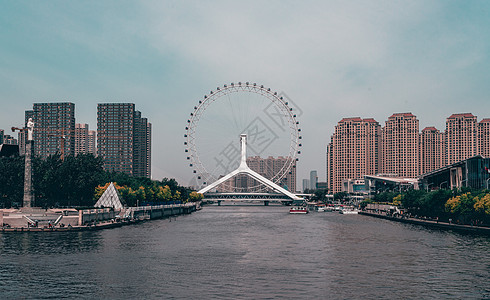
column 340, row 196
column 11, row 180
column 320, row 194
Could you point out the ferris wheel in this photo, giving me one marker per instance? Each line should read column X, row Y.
column 220, row 117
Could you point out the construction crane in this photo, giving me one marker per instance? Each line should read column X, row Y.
column 19, row 129
column 61, row 136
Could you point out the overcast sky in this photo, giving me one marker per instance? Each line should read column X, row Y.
column 334, row 59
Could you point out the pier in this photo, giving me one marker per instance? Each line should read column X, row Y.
column 430, row 223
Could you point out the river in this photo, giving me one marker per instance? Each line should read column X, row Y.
column 247, row 252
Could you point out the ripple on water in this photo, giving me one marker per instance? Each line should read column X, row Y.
column 246, row 252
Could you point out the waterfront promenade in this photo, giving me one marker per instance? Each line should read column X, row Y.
column 430, row 223
column 49, row 220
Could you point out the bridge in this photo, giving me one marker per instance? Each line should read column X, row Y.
column 279, row 194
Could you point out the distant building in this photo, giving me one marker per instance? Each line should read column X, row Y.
column 460, row 137
column 2, row 132
column 306, row 184
column 123, row 139
column 81, row 137
column 269, row 168
column 92, row 142
column 432, row 150
column 321, row 185
column 84, row 139
column 54, row 129
column 313, row 179
column 9, row 140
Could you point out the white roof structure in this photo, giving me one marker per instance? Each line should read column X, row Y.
column 110, row 198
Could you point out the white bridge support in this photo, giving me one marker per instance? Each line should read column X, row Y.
column 244, row 169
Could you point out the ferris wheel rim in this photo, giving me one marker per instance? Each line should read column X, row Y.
column 272, row 96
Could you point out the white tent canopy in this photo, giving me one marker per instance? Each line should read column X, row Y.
column 110, row 198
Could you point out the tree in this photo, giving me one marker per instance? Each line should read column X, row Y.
column 462, row 206
column 320, row 194
column 195, row 196
column 340, row 196
column 482, row 205
column 11, row 180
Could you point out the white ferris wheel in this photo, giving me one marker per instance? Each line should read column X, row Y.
column 267, row 117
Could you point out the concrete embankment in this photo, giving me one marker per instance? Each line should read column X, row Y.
column 38, row 220
column 432, row 224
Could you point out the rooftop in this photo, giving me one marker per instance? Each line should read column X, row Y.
column 461, row 115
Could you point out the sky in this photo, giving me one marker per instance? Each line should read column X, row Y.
column 334, row 59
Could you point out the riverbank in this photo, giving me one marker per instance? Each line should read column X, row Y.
column 87, row 220
column 431, row 224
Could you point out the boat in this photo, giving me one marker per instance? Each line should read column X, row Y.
column 321, row 208
column 298, row 210
column 349, row 211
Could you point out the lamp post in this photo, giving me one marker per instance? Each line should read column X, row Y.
column 427, row 188
column 487, row 182
column 440, row 185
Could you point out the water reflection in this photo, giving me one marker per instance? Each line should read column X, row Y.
column 248, row 252
column 47, row 243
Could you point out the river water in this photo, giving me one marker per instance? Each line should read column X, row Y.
column 248, row 252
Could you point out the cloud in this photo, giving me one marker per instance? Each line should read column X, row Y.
column 335, row 59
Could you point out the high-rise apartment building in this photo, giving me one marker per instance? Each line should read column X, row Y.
column 2, row 132
column 123, row 139
column 313, row 179
column 432, row 150
column 81, row 137
column 54, row 128
column 84, row 139
column 401, row 150
column 142, row 148
column 92, row 142
column 329, row 165
column 483, row 138
column 400, row 141
column 353, row 151
column 460, row 137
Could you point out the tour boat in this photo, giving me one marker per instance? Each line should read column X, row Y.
column 298, row 210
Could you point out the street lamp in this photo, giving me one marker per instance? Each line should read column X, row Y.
column 427, row 188
column 440, row 185
column 487, row 182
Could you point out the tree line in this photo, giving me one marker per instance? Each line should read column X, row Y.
column 79, row 181
column 465, row 205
